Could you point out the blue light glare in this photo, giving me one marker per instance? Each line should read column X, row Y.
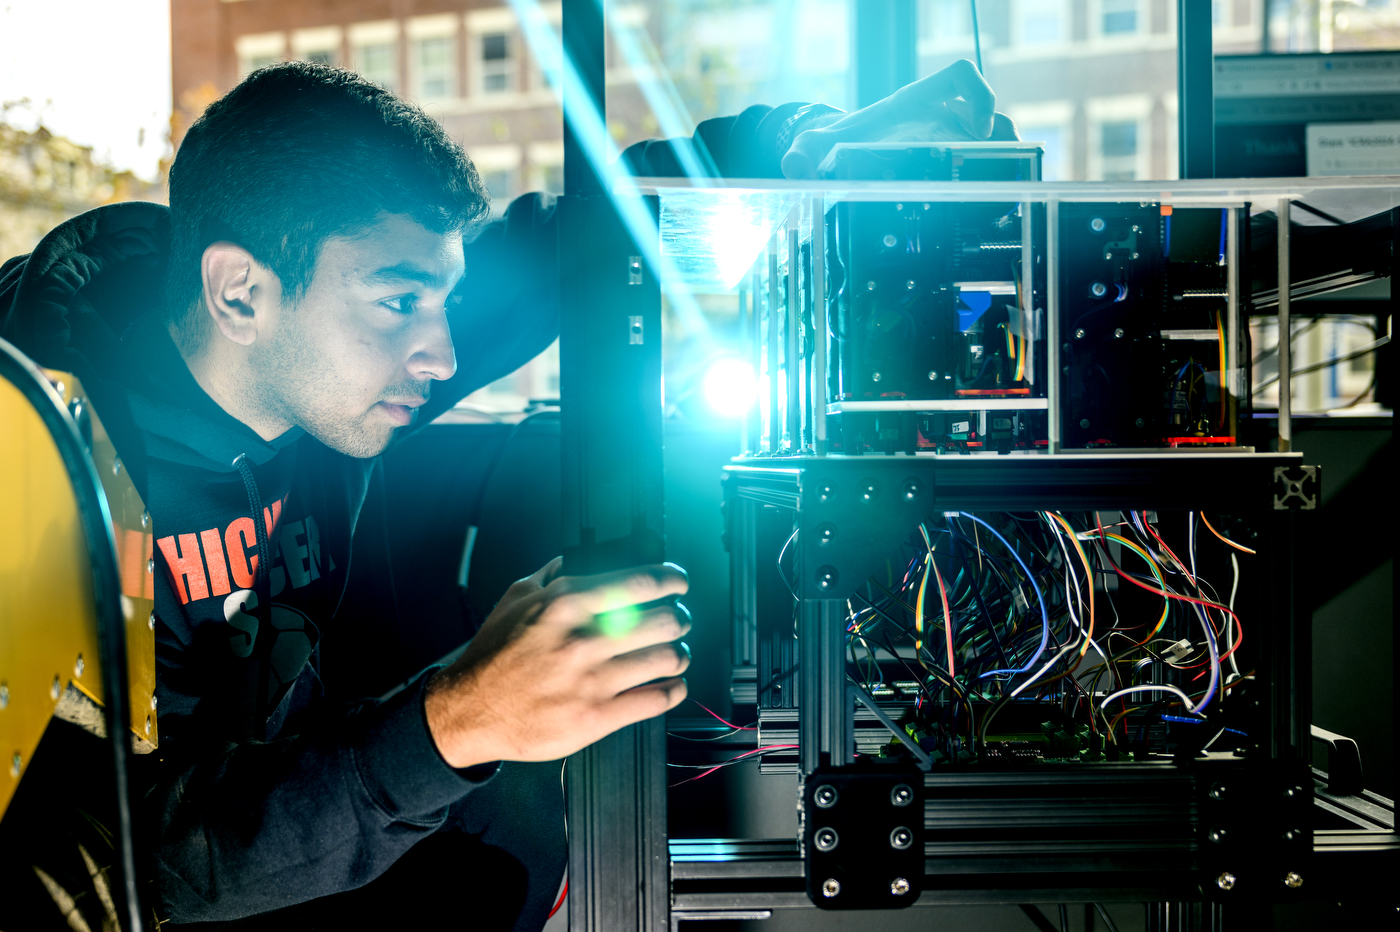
column 730, row 387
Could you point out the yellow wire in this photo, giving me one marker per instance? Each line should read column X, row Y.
column 1088, row 574
column 1162, row 584
column 919, row 606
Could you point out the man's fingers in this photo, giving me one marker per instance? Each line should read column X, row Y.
column 642, row 666
column 623, row 632
column 647, row 701
column 960, row 79
column 611, row 592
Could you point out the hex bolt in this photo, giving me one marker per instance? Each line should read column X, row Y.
column 1098, row 289
column 1226, row 881
column 54, row 687
column 901, row 795
column 889, row 240
column 830, row 887
column 901, row 838
column 899, row 886
column 1217, row 791
column 1097, row 225
column 1079, row 334
column 826, row 839
column 825, row 797
column 932, row 374
column 78, row 667
column 16, row 763
column 1118, row 333
column 1217, row 836
column 1293, row 880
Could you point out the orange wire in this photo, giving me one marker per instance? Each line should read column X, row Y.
column 947, row 616
column 1227, row 540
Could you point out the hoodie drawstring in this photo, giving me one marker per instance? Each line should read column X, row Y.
column 263, row 589
column 250, row 485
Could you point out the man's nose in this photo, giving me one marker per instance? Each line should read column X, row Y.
column 434, row 356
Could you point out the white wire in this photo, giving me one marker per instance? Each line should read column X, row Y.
column 1159, row 688
column 1230, row 619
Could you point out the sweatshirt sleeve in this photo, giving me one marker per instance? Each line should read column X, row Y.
column 255, row 826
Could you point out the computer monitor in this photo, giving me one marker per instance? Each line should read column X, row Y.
column 1307, row 114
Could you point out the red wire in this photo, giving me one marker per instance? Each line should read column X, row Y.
column 762, row 750
column 1239, row 628
column 562, row 893
column 730, row 724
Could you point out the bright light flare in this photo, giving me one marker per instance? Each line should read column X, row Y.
column 730, row 387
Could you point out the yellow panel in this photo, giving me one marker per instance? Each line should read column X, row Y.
column 131, row 527
column 48, row 621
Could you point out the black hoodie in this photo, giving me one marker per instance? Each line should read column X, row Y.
column 264, row 793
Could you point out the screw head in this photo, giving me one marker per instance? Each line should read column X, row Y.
column 889, row 240
column 870, row 285
column 148, row 725
column 78, row 666
column 1097, row 225
column 825, row 493
column 1118, row 333
column 875, row 377
column 826, row 532
column 1135, row 255
column 16, row 763
column 1289, row 793
column 151, row 622
column 909, row 285
column 1079, row 334
column 901, row 795
column 1217, row 836
column 54, row 687
column 1098, row 289
column 1226, row 881
column 116, row 465
column 901, row 838
column 825, row 796
column 1289, row 835
column 153, row 702
column 1140, row 422
column 830, row 887
column 1293, row 880
column 4, row 695
column 932, row 374
column 826, row 839
column 912, row 489
column 826, row 578
column 1218, row 791
column 145, row 518
column 1136, row 228
column 868, row 490
column 899, row 207
column 150, row 566
column 1084, row 423
column 899, row 886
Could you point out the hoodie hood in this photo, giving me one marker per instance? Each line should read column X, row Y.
column 90, row 300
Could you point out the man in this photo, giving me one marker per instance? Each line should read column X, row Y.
column 320, row 274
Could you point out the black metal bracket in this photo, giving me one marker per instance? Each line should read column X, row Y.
column 863, row 836
column 1298, row 485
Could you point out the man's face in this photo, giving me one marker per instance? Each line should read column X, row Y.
column 357, row 355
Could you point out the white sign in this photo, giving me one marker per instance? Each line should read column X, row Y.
column 1353, row 148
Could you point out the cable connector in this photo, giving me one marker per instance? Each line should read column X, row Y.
column 1178, row 651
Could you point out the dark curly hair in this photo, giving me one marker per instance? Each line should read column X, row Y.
column 300, row 152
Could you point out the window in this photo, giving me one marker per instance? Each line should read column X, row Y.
column 497, row 63
column 432, row 56
column 317, row 45
column 259, row 51
column 1118, row 147
column 1040, row 22
column 1119, row 17
column 1053, row 165
column 375, row 50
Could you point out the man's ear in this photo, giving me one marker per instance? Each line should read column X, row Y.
column 237, row 291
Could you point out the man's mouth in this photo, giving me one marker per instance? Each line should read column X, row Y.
column 402, row 413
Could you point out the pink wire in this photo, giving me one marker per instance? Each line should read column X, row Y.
column 730, row 724
column 762, row 750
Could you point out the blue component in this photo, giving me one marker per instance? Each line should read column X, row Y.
column 972, row 305
column 1181, row 718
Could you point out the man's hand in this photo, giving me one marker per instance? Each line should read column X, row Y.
column 955, row 103
column 562, row 662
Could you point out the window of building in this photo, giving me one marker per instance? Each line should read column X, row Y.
column 497, row 63
column 374, row 49
column 1118, row 148
column 259, row 51
column 1041, row 22
column 432, row 56
column 1119, row 17
column 317, row 45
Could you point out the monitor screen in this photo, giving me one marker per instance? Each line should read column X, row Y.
column 1307, row 114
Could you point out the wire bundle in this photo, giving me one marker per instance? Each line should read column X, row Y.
column 1016, row 607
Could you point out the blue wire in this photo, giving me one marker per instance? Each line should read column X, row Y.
column 1224, row 214
column 1167, row 239
column 1044, row 615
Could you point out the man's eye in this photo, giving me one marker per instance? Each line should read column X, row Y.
column 403, row 304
